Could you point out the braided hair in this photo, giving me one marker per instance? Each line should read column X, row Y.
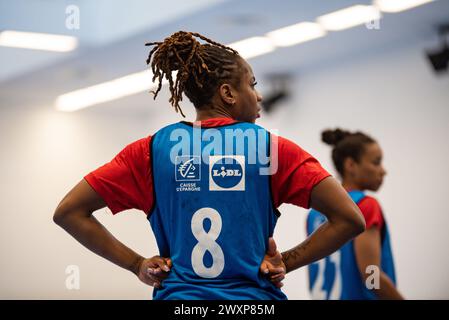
column 345, row 145
column 201, row 68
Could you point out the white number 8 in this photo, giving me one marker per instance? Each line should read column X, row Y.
column 206, row 242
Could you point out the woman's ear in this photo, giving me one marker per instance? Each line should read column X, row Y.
column 349, row 165
column 227, row 94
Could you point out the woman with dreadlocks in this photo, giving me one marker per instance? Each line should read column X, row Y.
column 363, row 268
column 212, row 206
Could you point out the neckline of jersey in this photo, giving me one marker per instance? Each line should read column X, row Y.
column 211, row 122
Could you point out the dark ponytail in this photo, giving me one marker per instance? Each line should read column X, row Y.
column 345, row 145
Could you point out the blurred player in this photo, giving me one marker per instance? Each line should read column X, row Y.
column 363, row 268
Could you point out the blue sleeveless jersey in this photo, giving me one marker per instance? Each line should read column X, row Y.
column 337, row 276
column 213, row 212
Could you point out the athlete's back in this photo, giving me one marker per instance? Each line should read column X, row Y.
column 213, row 212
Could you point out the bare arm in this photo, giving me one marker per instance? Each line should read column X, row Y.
column 345, row 221
column 74, row 214
column 367, row 247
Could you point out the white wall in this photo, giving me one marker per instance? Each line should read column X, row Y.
column 395, row 97
column 392, row 95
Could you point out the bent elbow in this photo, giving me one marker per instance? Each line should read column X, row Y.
column 361, row 226
column 358, row 223
column 353, row 224
column 68, row 213
column 59, row 216
column 61, row 213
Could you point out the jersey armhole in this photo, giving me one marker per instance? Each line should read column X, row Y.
column 152, row 175
column 270, row 176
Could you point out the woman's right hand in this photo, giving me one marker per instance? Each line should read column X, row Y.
column 152, row 271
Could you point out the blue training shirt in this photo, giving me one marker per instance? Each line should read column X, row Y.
column 213, row 211
column 337, row 276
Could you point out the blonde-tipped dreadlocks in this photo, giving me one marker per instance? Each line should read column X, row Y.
column 201, row 67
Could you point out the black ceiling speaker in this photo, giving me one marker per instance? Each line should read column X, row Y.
column 280, row 84
column 439, row 58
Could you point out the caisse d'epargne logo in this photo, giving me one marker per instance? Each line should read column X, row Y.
column 187, row 168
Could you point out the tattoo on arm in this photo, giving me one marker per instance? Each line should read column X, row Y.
column 292, row 257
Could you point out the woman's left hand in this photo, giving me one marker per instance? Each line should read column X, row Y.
column 272, row 265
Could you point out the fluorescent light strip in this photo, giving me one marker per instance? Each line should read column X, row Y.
column 107, row 91
column 38, row 41
column 349, row 17
column 141, row 81
column 393, row 6
column 248, row 48
column 253, row 47
column 297, row 33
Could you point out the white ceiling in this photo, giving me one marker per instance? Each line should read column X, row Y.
column 101, row 22
column 223, row 21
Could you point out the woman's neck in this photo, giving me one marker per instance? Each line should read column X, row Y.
column 209, row 113
column 350, row 185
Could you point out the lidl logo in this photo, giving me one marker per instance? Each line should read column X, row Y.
column 227, row 173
